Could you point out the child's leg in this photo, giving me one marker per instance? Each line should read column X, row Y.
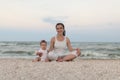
column 36, row 59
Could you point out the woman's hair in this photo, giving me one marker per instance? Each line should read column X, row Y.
column 43, row 41
column 62, row 26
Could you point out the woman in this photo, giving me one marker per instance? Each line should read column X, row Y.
column 58, row 44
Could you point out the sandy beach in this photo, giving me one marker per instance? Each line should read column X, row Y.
column 25, row 69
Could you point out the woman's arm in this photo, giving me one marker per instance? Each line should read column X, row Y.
column 52, row 44
column 71, row 49
column 69, row 44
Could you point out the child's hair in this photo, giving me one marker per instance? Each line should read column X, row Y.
column 43, row 41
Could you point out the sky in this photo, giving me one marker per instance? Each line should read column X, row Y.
column 84, row 20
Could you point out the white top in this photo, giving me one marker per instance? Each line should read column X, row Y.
column 60, row 46
column 44, row 55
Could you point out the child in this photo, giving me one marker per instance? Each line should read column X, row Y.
column 42, row 52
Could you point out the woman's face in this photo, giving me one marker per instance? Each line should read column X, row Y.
column 59, row 29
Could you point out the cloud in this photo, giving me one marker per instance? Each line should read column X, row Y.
column 54, row 20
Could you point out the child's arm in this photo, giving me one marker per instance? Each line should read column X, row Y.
column 39, row 53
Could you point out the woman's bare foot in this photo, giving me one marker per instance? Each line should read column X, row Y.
column 59, row 59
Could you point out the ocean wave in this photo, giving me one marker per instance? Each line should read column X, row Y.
column 93, row 53
column 7, row 44
column 113, row 54
column 27, row 43
column 19, row 52
column 100, row 55
column 107, row 49
column 18, row 43
column 118, row 49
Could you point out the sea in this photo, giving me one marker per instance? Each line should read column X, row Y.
column 89, row 50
